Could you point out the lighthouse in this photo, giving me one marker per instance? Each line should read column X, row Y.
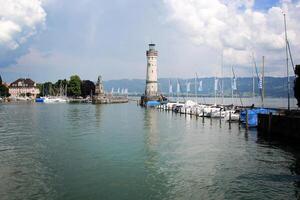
column 151, row 89
column 151, row 97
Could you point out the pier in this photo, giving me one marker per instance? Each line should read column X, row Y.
column 101, row 97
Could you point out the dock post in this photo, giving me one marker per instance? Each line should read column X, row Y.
column 196, row 113
column 270, row 122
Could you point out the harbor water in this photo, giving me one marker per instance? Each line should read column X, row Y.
column 122, row 151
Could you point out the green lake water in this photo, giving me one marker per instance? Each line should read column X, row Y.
column 122, row 151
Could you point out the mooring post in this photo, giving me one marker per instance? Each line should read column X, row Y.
column 229, row 117
column 270, row 122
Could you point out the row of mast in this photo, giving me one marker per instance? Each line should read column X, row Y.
column 261, row 81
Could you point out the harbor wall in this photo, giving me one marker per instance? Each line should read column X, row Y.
column 286, row 127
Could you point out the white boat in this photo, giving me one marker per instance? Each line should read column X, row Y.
column 220, row 113
column 188, row 107
column 54, row 100
column 207, row 111
column 232, row 115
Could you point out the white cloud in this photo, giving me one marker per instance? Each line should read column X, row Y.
column 236, row 27
column 19, row 20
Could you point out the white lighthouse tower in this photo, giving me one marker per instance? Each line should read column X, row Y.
column 151, row 89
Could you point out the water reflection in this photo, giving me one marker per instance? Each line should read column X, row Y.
column 155, row 173
column 98, row 114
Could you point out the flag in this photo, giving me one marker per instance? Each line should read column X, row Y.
column 178, row 87
column 234, row 86
column 216, row 84
column 200, row 86
column 260, row 82
column 188, row 86
column 170, row 88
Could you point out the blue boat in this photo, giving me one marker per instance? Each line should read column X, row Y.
column 39, row 100
column 252, row 115
column 152, row 103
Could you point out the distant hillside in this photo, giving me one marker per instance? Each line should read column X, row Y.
column 274, row 86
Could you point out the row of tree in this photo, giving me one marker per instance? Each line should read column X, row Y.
column 3, row 89
column 74, row 87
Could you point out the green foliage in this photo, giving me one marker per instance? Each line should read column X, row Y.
column 4, row 91
column 87, row 87
column 74, row 86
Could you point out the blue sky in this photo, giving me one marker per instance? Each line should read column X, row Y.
column 109, row 38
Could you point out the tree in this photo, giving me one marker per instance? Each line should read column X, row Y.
column 0, row 80
column 87, row 87
column 4, row 91
column 74, row 86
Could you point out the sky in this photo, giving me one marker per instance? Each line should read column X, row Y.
column 48, row 40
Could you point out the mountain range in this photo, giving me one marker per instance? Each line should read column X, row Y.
column 274, row 86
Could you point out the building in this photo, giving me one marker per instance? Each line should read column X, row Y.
column 23, row 87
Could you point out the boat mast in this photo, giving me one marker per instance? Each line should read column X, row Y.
column 196, row 94
column 232, row 86
column 222, row 91
column 253, row 83
column 263, row 80
column 215, row 88
column 178, row 90
column 287, row 61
